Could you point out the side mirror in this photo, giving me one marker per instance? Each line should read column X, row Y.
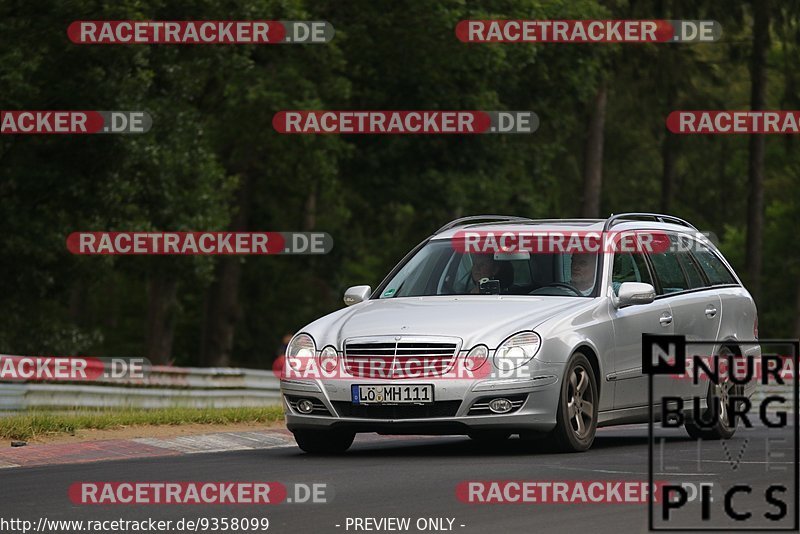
column 633, row 293
column 356, row 294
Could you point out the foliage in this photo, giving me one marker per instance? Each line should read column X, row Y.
column 376, row 195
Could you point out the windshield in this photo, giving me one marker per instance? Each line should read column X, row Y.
column 438, row 268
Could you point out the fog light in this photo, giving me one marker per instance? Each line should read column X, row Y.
column 500, row 405
column 304, row 406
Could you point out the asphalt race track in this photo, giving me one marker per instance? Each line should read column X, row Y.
column 416, row 477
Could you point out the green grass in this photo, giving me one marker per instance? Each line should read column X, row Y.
column 30, row 424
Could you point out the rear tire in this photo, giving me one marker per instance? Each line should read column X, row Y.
column 718, row 395
column 324, row 441
column 576, row 417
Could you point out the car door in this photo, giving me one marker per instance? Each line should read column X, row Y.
column 629, row 323
column 731, row 294
column 702, row 303
column 696, row 308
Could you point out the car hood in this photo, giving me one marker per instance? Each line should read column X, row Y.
column 474, row 319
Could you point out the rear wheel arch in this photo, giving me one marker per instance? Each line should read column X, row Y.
column 733, row 346
column 730, row 343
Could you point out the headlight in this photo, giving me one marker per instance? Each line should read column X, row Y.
column 475, row 358
column 300, row 351
column 328, row 359
column 517, row 350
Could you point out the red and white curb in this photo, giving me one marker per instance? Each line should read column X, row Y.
column 221, row 442
column 121, row 449
column 126, row 449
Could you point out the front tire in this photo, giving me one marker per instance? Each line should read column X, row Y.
column 324, row 441
column 576, row 418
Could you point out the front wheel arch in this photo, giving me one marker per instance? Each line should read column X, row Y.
column 594, row 361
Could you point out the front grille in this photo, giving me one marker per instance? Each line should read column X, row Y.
column 398, row 411
column 319, row 407
column 481, row 406
column 405, row 358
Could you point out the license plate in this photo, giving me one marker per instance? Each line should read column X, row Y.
column 405, row 394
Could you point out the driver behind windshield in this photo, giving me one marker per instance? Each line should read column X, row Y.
column 483, row 266
column 582, row 272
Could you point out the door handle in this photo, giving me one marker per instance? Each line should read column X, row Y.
column 665, row 319
column 711, row 311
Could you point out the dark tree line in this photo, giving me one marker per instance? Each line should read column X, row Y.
column 212, row 160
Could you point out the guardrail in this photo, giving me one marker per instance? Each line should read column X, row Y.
column 786, row 391
column 163, row 387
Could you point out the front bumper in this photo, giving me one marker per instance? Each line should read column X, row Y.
column 454, row 410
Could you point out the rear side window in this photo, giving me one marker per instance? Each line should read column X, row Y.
column 669, row 272
column 715, row 270
column 692, row 270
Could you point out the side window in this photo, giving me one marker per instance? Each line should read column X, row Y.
column 420, row 276
column 669, row 272
column 629, row 268
column 692, row 270
column 462, row 281
column 449, row 275
column 715, row 270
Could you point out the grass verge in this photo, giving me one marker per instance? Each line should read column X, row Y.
column 30, row 424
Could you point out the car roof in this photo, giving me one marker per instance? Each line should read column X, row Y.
column 566, row 225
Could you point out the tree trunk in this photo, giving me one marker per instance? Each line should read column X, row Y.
column 668, row 153
column 722, row 172
column 77, row 302
column 310, row 216
column 161, row 297
column 755, row 207
column 222, row 310
column 797, row 313
column 221, row 313
column 667, row 172
column 593, row 156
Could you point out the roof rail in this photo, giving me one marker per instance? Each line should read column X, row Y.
column 473, row 218
column 571, row 220
column 657, row 217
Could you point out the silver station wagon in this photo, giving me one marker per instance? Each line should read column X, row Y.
column 466, row 338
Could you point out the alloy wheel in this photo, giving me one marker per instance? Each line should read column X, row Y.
column 580, row 404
